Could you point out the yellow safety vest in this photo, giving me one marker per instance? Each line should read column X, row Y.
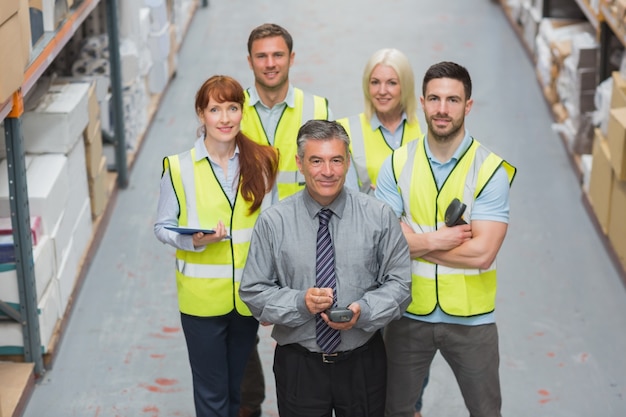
column 306, row 107
column 208, row 281
column 369, row 147
column 459, row 292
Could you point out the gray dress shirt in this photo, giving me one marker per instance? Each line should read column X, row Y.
column 372, row 265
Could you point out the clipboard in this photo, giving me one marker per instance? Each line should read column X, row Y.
column 189, row 230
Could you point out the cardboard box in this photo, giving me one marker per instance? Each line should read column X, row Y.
column 98, row 191
column 13, row 58
column 8, row 9
column 561, row 49
column 620, row 9
column 618, row 93
column 617, row 223
column 24, row 18
column 58, row 119
column 601, row 181
column 93, row 150
column 94, row 110
column 616, row 138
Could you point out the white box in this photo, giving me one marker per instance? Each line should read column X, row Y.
column 11, row 338
column 106, row 119
column 159, row 43
column 78, row 196
column 102, row 83
column 48, row 188
column 67, row 274
column 83, row 231
column 44, row 271
column 58, row 119
column 69, row 267
column 158, row 77
column 129, row 18
column 158, row 14
column 144, row 24
column 53, row 12
column 129, row 58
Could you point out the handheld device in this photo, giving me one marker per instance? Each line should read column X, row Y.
column 339, row 315
column 454, row 213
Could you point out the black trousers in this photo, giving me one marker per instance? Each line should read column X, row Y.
column 353, row 386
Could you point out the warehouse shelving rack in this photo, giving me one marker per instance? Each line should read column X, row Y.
column 42, row 56
column 606, row 28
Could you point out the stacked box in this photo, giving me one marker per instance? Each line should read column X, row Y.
column 94, row 157
column 608, row 192
column 616, row 138
column 57, row 120
column 14, row 46
column 601, row 181
column 49, row 312
column 98, row 190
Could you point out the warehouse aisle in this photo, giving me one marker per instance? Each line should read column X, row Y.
column 561, row 304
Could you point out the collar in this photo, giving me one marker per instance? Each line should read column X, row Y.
column 290, row 98
column 202, row 153
column 375, row 121
column 465, row 144
column 337, row 206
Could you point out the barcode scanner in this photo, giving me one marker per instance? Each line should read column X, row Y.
column 454, row 213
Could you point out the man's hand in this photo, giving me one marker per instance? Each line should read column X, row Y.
column 318, row 299
column 443, row 239
column 447, row 238
column 356, row 312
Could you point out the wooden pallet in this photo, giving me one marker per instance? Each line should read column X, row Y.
column 17, row 381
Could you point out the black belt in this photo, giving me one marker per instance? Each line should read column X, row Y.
column 332, row 357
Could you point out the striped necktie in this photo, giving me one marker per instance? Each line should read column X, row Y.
column 328, row 339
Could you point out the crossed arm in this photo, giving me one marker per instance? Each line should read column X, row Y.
column 472, row 245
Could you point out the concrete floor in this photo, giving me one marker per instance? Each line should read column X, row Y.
column 561, row 304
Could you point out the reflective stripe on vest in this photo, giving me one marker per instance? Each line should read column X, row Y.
column 369, row 147
column 208, row 281
column 306, row 107
column 459, row 292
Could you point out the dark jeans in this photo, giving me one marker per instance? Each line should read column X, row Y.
column 218, row 348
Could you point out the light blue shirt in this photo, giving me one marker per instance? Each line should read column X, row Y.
column 492, row 204
column 393, row 139
column 168, row 206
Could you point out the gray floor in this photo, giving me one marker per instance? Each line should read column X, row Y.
column 561, row 304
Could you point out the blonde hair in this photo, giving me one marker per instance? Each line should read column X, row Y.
column 395, row 59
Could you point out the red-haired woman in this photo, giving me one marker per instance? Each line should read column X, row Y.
column 217, row 188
